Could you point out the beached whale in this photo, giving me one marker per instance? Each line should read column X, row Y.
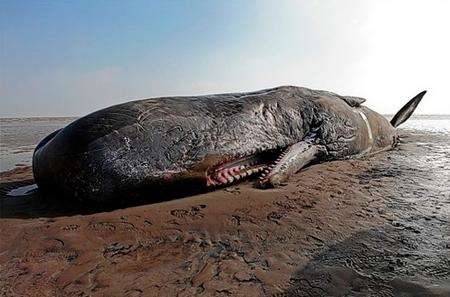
column 202, row 142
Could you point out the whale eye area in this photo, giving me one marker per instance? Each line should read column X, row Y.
column 238, row 169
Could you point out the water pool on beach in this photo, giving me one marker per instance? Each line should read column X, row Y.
column 20, row 136
column 428, row 123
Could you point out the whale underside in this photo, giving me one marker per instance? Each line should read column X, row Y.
column 205, row 142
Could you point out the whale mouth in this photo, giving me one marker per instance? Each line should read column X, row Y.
column 238, row 169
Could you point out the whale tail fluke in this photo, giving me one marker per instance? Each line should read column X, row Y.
column 406, row 111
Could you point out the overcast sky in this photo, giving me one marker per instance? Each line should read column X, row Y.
column 69, row 58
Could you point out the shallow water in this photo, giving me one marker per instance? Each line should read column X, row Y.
column 429, row 123
column 20, row 136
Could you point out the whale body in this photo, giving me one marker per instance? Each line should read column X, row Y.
column 204, row 142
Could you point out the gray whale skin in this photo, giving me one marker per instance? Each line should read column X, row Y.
column 142, row 147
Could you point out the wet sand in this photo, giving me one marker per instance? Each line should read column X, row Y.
column 376, row 226
column 19, row 136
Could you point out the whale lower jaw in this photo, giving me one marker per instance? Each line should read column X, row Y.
column 238, row 169
column 272, row 166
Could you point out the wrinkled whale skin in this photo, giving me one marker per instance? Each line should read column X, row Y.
column 135, row 147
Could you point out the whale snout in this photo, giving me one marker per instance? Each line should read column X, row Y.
column 61, row 167
column 84, row 160
column 106, row 156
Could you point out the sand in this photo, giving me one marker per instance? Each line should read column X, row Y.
column 376, row 226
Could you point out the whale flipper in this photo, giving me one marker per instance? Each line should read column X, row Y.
column 406, row 111
column 290, row 162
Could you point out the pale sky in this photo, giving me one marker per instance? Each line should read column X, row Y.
column 71, row 58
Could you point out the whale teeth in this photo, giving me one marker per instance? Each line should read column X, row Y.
column 221, row 178
column 235, row 170
column 255, row 170
column 227, row 172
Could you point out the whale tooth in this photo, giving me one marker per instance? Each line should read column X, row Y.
column 264, row 177
column 226, row 174
column 221, row 178
column 236, row 169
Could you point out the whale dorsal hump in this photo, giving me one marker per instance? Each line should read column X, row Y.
column 350, row 100
column 353, row 101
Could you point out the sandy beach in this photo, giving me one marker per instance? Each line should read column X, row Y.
column 377, row 226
